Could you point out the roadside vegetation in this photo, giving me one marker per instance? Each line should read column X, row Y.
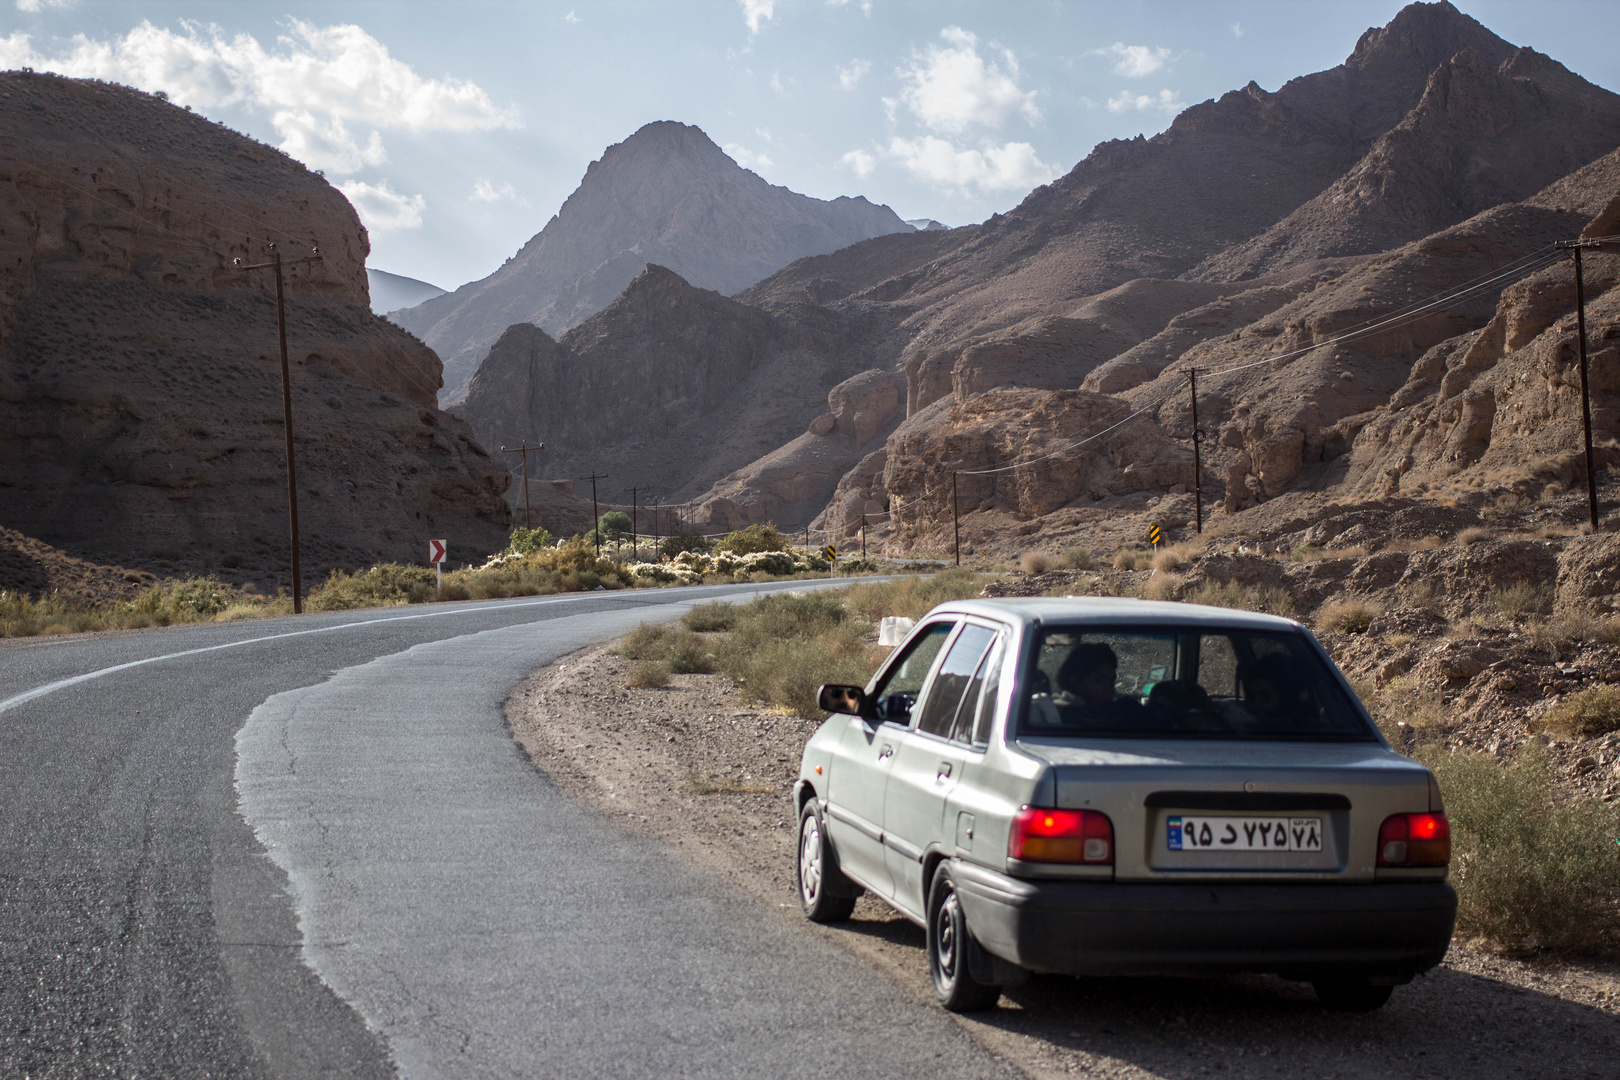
column 533, row 564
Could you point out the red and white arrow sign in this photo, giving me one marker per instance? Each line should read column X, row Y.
column 436, row 549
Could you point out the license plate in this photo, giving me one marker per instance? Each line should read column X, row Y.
column 1189, row 833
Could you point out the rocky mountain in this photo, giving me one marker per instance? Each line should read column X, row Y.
column 390, row 292
column 667, row 195
column 140, row 390
column 1278, row 243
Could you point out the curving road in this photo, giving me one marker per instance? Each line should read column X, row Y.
column 300, row 848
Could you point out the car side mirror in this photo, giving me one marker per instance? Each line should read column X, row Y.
column 842, row 699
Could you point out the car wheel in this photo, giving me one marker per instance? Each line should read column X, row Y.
column 949, row 944
column 1350, row 994
column 824, row 892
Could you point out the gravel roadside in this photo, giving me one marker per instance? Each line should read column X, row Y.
column 690, row 766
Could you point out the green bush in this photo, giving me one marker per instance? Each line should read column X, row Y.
column 528, row 541
column 382, row 585
column 675, row 543
column 913, row 597
column 752, row 539
column 1529, row 872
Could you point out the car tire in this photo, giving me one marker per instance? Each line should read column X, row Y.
column 825, row 894
column 1350, row 994
column 950, row 943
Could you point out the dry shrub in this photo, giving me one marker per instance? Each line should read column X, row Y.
column 784, row 646
column 1473, row 535
column 1520, row 599
column 649, row 675
column 1170, row 559
column 1529, row 872
column 645, row 642
column 1348, row 615
column 1231, row 594
column 1419, row 596
column 1164, row 585
column 1077, row 559
column 1586, row 714
column 1572, row 627
column 1035, row 562
column 708, row 618
column 1126, row 560
column 911, row 597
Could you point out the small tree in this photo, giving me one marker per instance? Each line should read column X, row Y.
column 675, row 543
column 614, row 525
column 754, row 538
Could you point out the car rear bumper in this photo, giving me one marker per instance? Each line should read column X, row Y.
column 1388, row 931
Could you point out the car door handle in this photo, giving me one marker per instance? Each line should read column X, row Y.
column 886, row 750
column 944, row 770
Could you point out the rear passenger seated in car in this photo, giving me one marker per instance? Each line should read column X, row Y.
column 1273, row 695
column 1086, row 691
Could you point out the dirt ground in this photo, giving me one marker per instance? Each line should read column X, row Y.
column 710, row 776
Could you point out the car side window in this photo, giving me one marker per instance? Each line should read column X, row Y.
column 956, row 673
column 978, row 710
column 898, row 692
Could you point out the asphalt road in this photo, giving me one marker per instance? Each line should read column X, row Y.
column 299, row 848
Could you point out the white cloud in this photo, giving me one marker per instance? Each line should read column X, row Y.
column 1164, row 101
column 1135, row 61
column 33, row 7
column 866, row 6
column 571, row 19
column 862, row 162
column 776, row 82
column 382, row 208
column 1007, row 167
column 1237, row 30
column 316, row 83
column 484, row 191
column 849, row 77
column 746, row 157
column 756, row 12
column 952, row 87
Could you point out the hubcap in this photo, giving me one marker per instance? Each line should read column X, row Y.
column 945, row 935
column 809, row 859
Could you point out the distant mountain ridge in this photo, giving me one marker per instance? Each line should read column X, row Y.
column 667, row 195
column 390, row 292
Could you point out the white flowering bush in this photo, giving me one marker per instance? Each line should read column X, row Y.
column 665, row 573
column 759, row 562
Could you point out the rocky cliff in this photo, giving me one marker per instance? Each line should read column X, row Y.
column 667, row 195
column 140, row 394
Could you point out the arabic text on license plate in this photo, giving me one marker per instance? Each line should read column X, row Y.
column 1189, row 833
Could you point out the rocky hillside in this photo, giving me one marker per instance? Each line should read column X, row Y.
column 668, row 196
column 140, row 393
column 1331, row 257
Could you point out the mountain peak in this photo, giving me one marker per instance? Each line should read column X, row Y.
column 1425, row 36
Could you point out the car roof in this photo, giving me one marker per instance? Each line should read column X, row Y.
column 1112, row 610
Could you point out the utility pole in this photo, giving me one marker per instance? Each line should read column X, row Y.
column 524, row 448
column 1198, row 469
column 657, row 499
column 635, row 541
column 286, row 414
column 596, row 514
column 863, row 534
column 1586, row 395
column 956, row 521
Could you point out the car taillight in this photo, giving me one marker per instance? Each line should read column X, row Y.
column 1414, row 840
column 1061, row 836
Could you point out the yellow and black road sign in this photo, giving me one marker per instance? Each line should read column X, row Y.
column 1154, row 536
column 830, row 551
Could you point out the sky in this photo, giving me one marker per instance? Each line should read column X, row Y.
column 458, row 129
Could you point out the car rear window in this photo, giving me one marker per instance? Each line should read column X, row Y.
column 1183, row 682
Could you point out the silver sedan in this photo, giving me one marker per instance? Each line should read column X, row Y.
column 1100, row 786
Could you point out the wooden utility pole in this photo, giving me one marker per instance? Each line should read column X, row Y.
column 635, row 541
column 956, row 521
column 524, row 448
column 1198, row 469
column 596, row 514
column 286, row 413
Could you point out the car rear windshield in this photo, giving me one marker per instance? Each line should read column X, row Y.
column 1184, row 682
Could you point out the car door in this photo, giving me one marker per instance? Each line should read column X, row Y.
column 929, row 762
column 865, row 753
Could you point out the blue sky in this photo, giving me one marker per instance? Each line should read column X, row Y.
column 458, row 129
